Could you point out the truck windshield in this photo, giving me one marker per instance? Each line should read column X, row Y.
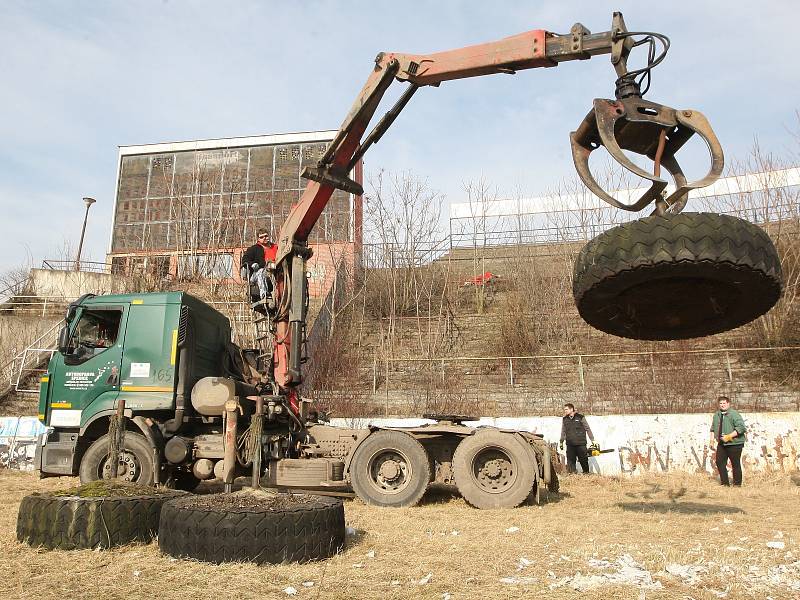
column 95, row 331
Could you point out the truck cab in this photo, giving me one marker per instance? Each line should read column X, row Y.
column 127, row 347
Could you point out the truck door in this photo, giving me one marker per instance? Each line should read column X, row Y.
column 90, row 370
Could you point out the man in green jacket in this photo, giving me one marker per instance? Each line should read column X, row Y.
column 727, row 432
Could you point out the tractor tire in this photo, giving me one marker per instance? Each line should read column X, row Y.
column 677, row 276
column 390, row 469
column 137, row 463
column 494, row 469
column 73, row 523
column 313, row 530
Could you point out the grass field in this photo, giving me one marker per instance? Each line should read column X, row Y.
column 670, row 536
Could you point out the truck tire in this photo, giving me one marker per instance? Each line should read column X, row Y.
column 494, row 469
column 309, row 531
column 390, row 468
column 137, row 460
column 677, row 276
column 72, row 523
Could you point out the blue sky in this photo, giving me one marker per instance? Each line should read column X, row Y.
column 81, row 78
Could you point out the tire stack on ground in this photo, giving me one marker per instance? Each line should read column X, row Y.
column 98, row 515
column 252, row 526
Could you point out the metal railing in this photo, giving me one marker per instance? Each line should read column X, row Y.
column 629, row 379
column 17, row 371
column 400, row 255
column 38, row 305
column 559, row 226
column 88, row 266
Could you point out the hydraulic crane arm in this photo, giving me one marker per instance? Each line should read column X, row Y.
column 627, row 123
column 529, row 50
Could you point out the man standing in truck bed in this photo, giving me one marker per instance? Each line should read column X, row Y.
column 574, row 430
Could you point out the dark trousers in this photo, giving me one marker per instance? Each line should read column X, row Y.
column 579, row 452
column 734, row 454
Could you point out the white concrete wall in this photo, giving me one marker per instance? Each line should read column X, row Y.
column 72, row 284
column 658, row 443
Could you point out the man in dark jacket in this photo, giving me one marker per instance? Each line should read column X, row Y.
column 574, row 430
column 254, row 259
column 260, row 253
column 728, row 433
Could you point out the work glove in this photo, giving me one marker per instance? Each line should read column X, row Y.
column 727, row 437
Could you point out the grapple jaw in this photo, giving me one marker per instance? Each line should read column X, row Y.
column 653, row 130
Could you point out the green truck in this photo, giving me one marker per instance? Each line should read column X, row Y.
column 194, row 410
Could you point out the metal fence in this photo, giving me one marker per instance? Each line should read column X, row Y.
column 88, row 266
column 560, row 226
column 32, row 359
column 614, row 382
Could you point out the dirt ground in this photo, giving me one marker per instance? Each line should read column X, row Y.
column 669, row 536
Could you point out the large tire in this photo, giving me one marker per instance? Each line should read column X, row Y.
column 309, row 531
column 390, row 468
column 677, row 276
column 137, row 460
column 72, row 523
column 494, row 469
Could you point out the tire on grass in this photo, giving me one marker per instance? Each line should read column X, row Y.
column 390, row 469
column 308, row 531
column 73, row 523
column 494, row 469
column 677, row 276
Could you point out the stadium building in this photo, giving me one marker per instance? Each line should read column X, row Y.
column 187, row 210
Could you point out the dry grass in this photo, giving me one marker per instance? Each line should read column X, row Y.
column 657, row 520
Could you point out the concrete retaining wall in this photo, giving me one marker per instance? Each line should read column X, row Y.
column 72, row 284
column 658, row 443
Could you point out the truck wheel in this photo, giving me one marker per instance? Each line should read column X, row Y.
column 136, row 463
column 390, row 468
column 494, row 469
column 210, row 529
column 677, row 276
column 71, row 522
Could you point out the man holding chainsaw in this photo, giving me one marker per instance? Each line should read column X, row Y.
column 727, row 433
column 574, row 430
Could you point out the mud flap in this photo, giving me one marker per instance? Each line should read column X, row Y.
column 55, row 454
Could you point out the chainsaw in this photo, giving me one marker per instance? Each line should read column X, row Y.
column 594, row 450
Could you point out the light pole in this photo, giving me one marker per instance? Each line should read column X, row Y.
column 88, row 202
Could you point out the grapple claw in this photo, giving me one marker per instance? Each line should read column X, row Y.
column 649, row 129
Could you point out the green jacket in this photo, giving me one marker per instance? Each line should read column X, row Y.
column 730, row 420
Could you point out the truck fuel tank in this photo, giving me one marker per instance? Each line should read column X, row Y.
column 210, row 394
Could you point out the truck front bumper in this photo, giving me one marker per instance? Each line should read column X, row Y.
column 55, row 453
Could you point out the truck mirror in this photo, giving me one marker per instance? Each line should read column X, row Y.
column 63, row 339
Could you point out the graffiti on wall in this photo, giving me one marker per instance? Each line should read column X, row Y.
column 661, row 443
column 18, row 442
